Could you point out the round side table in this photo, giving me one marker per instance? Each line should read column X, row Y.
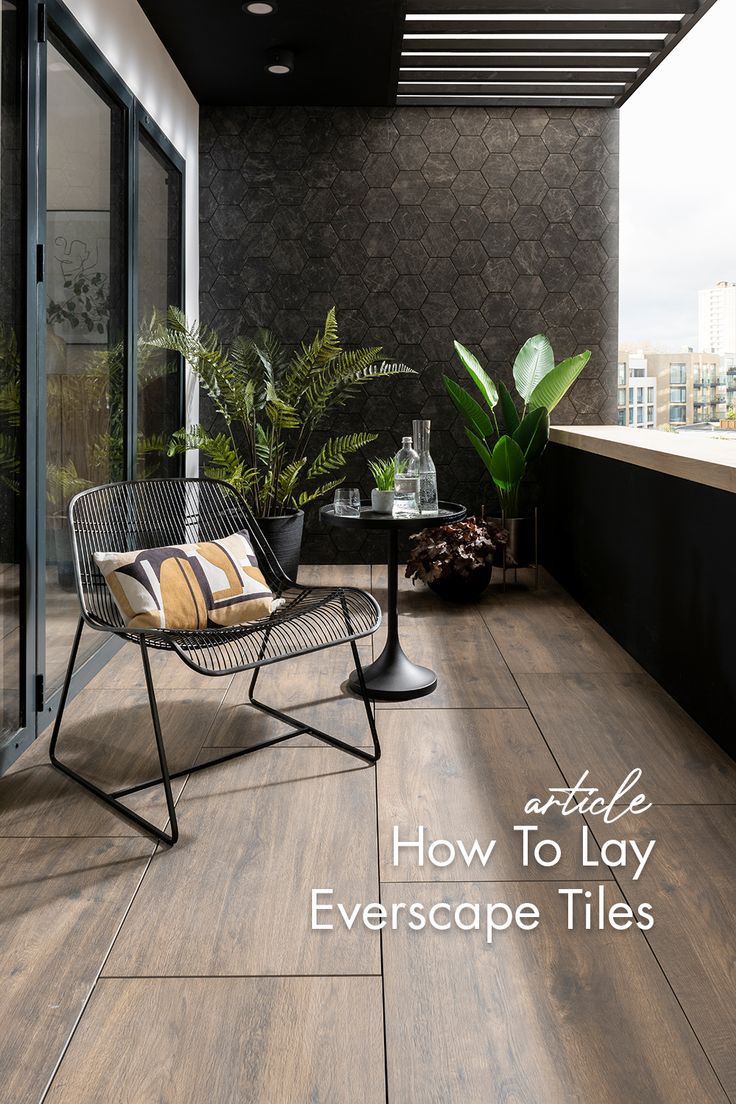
column 393, row 676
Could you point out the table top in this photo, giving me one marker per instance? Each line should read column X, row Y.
column 368, row 519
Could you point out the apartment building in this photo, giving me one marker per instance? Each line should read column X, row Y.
column 674, row 389
column 717, row 319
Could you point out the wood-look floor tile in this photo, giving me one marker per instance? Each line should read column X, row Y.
column 221, row 1040
column 109, row 739
column 311, row 687
column 466, row 775
column 354, row 575
column 451, row 640
column 689, row 882
column 61, row 902
column 234, row 896
column 609, row 724
column 547, row 1016
column 549, row 633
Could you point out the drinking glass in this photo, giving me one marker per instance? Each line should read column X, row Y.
column 347, row 501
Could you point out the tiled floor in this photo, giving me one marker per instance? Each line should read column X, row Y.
column 139, row 975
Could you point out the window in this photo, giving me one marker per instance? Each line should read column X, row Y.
column 678, row 373
column 12, row 407
column 650, row 394
column 621, row 374
column 640, row 394
column 622, row 396
column 678, row 394
column 677, row 414
column 159, row 287
column 639, row 415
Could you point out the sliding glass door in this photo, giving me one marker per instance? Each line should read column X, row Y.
column 91, row 257
column 13, row 475
column 85, row 323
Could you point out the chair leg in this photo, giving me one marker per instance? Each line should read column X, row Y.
column 325, row 737
column 108, row 798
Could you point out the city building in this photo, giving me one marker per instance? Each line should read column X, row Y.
column 674, row 389
column 717, row 319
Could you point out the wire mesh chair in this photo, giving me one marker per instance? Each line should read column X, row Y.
column 123, row 517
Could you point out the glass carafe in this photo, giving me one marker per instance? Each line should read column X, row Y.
column 428, row 503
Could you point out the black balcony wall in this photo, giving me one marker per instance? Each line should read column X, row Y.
column 647, row 555
column 421, row 225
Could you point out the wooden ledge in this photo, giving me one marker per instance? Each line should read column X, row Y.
column 701, row 459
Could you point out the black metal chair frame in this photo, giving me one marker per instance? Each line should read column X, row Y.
column 120, row 517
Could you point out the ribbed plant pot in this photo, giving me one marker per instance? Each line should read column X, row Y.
column 284, row 533
column 382, row 502
column 520, row 548
column 463, row 588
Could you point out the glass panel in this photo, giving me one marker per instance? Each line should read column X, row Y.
column 11, row 413
column 159, row 287
column 85, row 322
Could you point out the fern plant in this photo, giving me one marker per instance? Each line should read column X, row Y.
column 270, row 405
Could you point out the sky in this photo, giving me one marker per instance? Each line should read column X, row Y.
column 678, row 186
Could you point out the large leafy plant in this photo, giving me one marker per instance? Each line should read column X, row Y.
column 509, row 447
column 270, row 405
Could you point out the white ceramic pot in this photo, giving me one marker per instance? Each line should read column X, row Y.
column 382, row 502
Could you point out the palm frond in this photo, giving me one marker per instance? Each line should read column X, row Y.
column 309, row 496
column 335, row 452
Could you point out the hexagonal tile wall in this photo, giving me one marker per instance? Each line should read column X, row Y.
column 421, row 225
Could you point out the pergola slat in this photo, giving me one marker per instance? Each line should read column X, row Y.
column 537, row 44
column 520, row 76
column 519, row 26
column 507, row 101
column 554, row 61
column 554, row 89
column 550, row 7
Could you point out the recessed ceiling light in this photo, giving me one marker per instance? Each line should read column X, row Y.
column 280, row 63
column 260, row 7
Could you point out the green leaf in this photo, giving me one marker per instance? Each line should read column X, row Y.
column 481, row 448
column 507, row 464
column 479, row 376
column 532, row 433
column 334, row 453
column 470, row 409
column 309, row 496
column 555, row 385
column 534, row 361
column 510, row 413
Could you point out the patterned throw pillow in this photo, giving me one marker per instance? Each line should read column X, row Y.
column 188, row 586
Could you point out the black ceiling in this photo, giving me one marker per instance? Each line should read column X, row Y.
column 375, row 52
column 343, row 49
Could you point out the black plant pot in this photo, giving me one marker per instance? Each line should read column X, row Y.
column 284, row 534
column 463, row 588
column 519, row 551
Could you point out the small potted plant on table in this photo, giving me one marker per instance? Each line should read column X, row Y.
column 382, row 494
column 455, row 560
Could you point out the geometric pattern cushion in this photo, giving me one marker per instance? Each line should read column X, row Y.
column 188, row 586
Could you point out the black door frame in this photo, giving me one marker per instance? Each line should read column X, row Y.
column 38, row 709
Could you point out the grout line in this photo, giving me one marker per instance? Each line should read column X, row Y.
column 655, row 956
column 383, row 974
column 156, row 849
column 222, row 977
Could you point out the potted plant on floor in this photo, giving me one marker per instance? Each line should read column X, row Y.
column 382, row 494
column 510, row 452
column 270, row 405
column 455, row 560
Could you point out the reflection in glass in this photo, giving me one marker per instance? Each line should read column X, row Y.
column 159, row 287
column 85, row 321
column 11, row 404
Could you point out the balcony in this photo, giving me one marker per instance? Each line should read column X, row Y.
column 255, row 165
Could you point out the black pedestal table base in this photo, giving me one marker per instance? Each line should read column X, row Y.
column 393, row 676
